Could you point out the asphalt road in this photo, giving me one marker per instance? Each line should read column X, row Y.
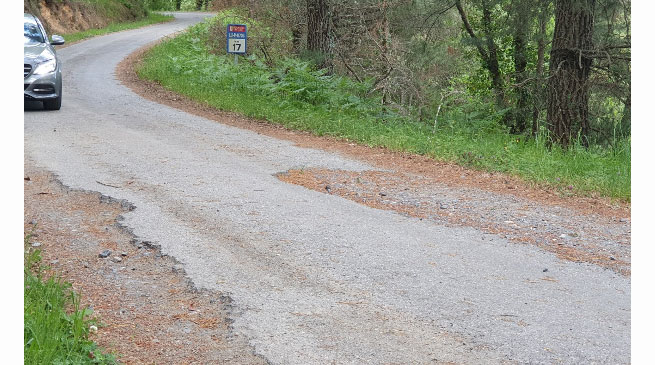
column 315, row 278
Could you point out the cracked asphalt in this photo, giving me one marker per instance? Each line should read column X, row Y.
column 315, row 278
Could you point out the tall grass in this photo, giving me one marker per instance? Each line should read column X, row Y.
column 55, row 325
column 294, row 94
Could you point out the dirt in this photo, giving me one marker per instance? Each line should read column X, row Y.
column 574, row 226
column 150, row 312
column 575, row 237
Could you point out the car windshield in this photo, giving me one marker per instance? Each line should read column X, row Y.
column 33, row 33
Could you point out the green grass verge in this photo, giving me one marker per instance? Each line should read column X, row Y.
column 56, row 328
column 296, row 96
column 152, row 18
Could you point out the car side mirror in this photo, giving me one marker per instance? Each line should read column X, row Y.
column 57, row 40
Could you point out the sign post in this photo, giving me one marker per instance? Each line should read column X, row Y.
column 237, row 36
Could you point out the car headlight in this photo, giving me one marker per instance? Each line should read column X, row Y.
column 46, row 67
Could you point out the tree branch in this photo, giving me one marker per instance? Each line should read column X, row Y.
column 469, row 30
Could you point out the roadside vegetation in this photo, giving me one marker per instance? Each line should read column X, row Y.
column 56, row 327
column 151, row 18
column 179, row 5
column 293, row 91
column 81, row 19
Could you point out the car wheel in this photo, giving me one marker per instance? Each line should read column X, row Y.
column 54, row 104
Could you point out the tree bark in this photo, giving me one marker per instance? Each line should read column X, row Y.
column 318, row 31
column 521, row 24
column 178, row 4
column 568, row 89
column 541, row 52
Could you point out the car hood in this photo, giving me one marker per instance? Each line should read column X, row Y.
column 40, row 51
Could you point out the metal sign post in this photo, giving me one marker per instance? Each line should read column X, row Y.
column 237, row 36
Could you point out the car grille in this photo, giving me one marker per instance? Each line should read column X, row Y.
column 27, row 70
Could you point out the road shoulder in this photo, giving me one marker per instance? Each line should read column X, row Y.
column 151, row 313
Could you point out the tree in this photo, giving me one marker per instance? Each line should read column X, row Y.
column 178, row 4
column 521, row 24
column 542, row 19
column 487, row 49
column 200, row 3
column 571, row 57
column 318, row 31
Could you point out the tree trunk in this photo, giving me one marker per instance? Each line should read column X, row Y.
column 568, row 90
column 318, row 31
column 544, row 14
column 627, row 108
column 178, row 4
column 296, row 38
column 492, row 61
column 490, row 54
column 200, row 3
column 386, row 48
column 521, row 24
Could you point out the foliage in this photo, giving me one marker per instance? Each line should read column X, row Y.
column 295, row 94
column 55, row 326
column 152, row 18
column 169, row 5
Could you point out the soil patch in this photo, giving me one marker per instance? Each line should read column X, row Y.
column 579, row 238
column 150, row 311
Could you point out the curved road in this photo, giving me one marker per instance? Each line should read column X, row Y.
column 315, row 278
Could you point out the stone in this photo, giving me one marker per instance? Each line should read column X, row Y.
column 117, row 259
column 104, row 254
column 123, row 253
column 36, row 244
column 178, row 268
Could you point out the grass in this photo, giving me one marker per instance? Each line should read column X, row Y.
column 297, row 96
column 56, row 328
column 152, row 18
